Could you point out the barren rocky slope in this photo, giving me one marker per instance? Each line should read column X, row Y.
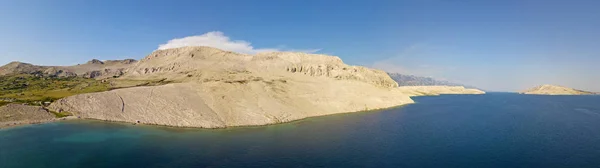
column 555, row 90
column 15, row 114
column 216, row 88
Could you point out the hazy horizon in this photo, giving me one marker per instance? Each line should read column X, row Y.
column 498, row 46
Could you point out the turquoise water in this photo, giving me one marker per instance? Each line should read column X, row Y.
column 494, row 130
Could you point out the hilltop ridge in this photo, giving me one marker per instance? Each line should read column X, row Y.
column 92, row 69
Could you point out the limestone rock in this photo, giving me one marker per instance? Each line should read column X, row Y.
column 53, row 71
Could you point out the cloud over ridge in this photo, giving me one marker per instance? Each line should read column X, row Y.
column 219, row 40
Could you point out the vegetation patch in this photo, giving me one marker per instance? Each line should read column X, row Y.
column 2, row 103
column 32, row 89
column 36, row 90
column 127, row 83
column 60, row 114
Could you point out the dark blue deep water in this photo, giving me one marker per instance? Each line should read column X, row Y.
column 493, row 130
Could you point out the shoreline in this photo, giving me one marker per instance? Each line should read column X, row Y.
column 3, row 125
column 13, row 124
column 244, row 126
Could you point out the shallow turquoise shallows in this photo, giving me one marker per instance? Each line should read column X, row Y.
column 493, row 130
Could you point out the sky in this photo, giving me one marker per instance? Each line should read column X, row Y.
column 504, row 45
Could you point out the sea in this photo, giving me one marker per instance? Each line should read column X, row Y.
column 502, row 130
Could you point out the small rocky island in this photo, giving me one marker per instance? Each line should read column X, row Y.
column 206, row 87
column 555, row 90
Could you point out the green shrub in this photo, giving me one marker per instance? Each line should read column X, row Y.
column 2, row 103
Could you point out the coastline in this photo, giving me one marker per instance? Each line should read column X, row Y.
column 12, row 124
column 409, row 91
column 8, row 125
column 437, row 91
column 247, row 125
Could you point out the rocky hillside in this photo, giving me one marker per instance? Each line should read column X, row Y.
column 213, row 88
column 213, row 64
column 16, row 114
column 91, row 69
column 555, row 90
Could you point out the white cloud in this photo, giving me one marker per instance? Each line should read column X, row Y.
column 218, row 40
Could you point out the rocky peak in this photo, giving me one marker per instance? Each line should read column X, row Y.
column 95, row 61
column 15, row 64
column 20, row 67
column 128, row 61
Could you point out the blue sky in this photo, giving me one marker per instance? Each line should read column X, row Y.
column 506, row 45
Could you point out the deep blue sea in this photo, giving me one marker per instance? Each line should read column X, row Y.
column 493, row 130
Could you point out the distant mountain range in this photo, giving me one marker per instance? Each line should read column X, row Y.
column 411, row 80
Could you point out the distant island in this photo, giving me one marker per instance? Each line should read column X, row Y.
column 201, row 87
column 555, row 90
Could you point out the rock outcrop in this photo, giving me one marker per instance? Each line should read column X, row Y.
column 323, row 66
column 215, row 88
column 58, row 72
column 555, row 90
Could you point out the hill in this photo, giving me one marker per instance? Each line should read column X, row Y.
column 555, row 90
column 212, row 88
column 91, row 69
column 209, row 88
